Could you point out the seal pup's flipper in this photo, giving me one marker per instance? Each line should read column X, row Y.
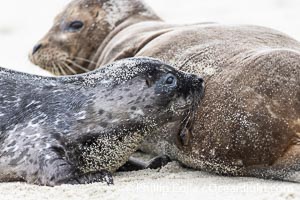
column 135, row 164
column 55, row 168
column 91, row 177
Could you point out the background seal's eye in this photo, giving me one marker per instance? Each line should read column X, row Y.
column 75, row 26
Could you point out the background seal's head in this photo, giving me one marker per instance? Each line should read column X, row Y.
column 80, row 29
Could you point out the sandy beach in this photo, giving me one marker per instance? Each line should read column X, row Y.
column 171, row 182
column 23, row 23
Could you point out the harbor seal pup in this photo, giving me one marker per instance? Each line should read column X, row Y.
column 249, row 122
column 79, row 129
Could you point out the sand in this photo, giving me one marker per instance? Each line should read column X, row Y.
column 171, row 182
column 23, row 23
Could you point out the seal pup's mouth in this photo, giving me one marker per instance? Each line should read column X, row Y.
column 185, row 132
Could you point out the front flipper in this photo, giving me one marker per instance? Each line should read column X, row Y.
column 55, row 168
column 135, row 164
column 88, row 178
column 158, row 162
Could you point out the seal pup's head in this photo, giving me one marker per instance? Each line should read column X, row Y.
column 144, row 90
column 80, row 29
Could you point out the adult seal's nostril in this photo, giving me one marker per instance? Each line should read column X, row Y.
column 36, row 48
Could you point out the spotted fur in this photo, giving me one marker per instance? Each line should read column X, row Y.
column 77, row 129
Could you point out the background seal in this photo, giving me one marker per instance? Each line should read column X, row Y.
column 248, row 124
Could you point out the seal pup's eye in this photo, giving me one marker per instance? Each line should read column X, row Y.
column 75, row 26
column 170, row 80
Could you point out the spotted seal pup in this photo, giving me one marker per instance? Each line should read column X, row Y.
column 77, row 129
column 249, row 122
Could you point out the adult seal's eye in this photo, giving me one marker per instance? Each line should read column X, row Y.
column 75, row 26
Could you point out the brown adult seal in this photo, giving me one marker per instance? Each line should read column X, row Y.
column 249, row 122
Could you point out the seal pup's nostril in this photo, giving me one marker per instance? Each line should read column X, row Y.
column 200, row 81
column 36, row 48
column 197, row 81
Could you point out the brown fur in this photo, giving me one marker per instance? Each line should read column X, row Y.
column 249, row 123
